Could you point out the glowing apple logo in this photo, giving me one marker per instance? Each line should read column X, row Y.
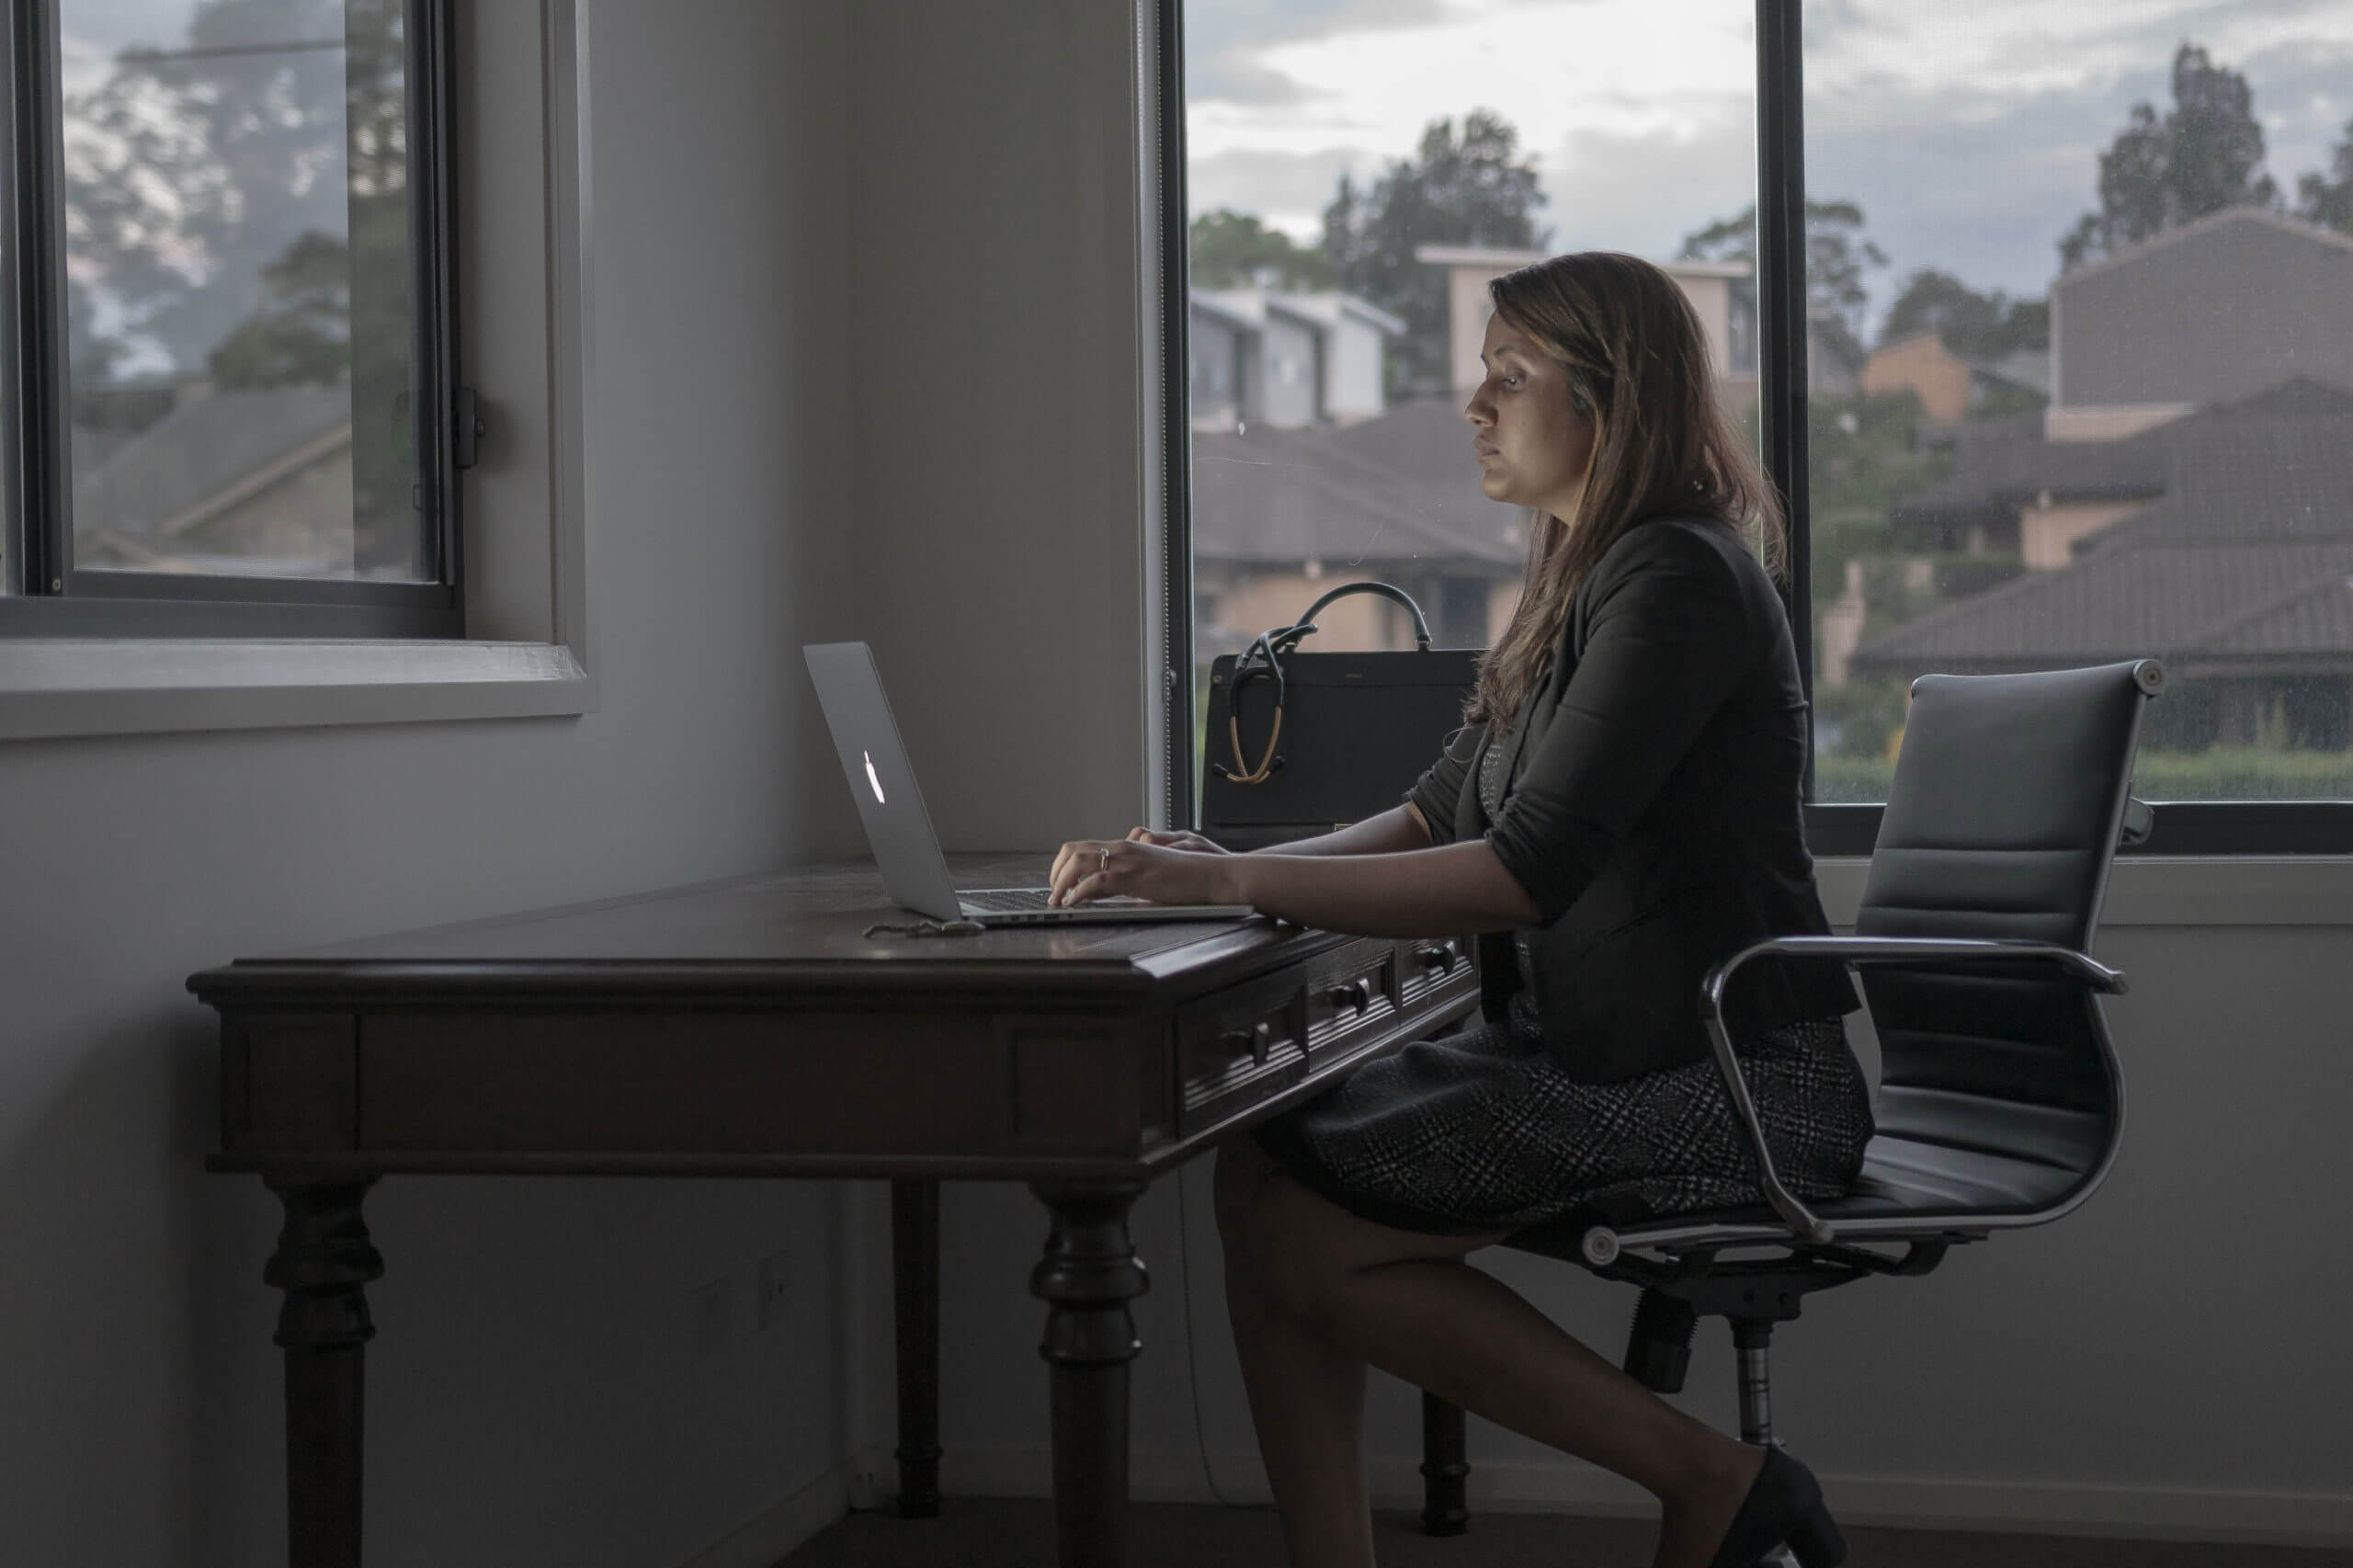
column 871, row 777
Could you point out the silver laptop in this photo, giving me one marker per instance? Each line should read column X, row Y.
column 899, row 828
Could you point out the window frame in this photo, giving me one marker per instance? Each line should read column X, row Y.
column 43, row 596
column 2186, row 829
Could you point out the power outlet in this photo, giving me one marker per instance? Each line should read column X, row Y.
column 770, row 1302
column 714, row 1318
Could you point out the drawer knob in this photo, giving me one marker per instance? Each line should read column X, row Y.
column 1439, row 956
column 1364, row 993
column 1255, row 1040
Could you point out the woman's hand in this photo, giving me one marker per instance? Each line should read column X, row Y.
column 1088, row 868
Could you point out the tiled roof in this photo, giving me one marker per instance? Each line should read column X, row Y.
column 2001, row 471
column 2277, row 466
column 200, row 449
column 2313, row 621
column 2246, row 556
column 1398, row 487
column 2168, row 598
column 2199, row 228
column 2283, row 449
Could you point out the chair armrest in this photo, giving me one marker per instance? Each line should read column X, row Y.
column 1915, row 951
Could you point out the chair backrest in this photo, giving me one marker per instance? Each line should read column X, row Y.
column 2009, row 795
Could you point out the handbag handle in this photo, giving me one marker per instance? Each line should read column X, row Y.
column 1288, row 637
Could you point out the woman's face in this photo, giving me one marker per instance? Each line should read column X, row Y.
column 1533, row 446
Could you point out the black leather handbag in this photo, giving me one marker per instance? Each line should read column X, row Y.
column 1302, row 744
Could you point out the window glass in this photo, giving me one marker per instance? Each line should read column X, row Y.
column 1357, row 170
column 239, row 288
column 2081, row 367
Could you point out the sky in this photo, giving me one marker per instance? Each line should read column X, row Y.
column 1970, row 134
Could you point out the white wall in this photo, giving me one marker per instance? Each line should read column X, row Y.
column 1002, row 403
column 531, row 1396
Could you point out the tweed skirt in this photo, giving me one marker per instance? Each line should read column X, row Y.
column 1482, row 1131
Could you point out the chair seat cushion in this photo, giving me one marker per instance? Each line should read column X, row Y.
column 1935, row 1183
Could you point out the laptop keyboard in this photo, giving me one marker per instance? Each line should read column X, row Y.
column 1004, row 901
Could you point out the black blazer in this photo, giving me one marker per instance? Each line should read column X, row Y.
column 1651, row 808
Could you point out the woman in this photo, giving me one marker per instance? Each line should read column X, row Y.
column 1625, row 803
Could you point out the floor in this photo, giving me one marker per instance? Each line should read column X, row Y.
column 1018, row 1533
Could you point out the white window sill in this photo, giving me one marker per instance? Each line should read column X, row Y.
column 2285, row 889
column 91, row 686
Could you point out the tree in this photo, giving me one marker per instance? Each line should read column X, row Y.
column 1234, row 250
column 1457, row 190
column 1972, row 326
column 2205, row 154
column 1838, row 257
column 2328, row 199
column 302, row 332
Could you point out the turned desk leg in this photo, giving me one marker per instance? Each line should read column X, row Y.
column 1087, row 1277
column 915, row 1299
column 323, row 1263
column 1444, row 1469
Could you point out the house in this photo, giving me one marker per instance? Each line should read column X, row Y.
column 1718, row 292
column 1264, row 357
column 2185, row 493
column 2221, row 543
column 1948, row 385
column 260, row 479
column 1281, row 515
column 1285, row 505
column 2212, row 311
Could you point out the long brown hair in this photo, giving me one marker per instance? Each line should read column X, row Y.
column 1637, row 364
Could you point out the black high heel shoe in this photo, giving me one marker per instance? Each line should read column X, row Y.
column 1783, row 1508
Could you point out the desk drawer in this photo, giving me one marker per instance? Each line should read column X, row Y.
column 1352, row 994
column 1429, row 966
column 1239, row 1047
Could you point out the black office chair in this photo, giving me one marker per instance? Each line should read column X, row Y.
column 2000, row 1101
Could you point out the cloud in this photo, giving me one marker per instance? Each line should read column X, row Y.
column 1285, row 190
column 1643, row 190
column 1981, row 181
column 1225, row 42
column 1970, row 134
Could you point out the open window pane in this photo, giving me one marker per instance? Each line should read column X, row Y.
column 2082, row 373
column 1355, row 173
column 239, row 281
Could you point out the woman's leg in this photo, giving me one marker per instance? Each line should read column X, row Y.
column 1406, row 1303
column 1306, row 1396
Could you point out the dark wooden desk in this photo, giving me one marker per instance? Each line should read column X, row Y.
column 749, row 1029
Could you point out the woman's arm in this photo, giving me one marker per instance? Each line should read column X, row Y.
column 1414, row 892
column 1402, row 828
column 1455, row 887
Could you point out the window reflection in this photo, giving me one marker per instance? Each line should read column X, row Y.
column 238, row 285
column 2095, row 397
column 1357, row 173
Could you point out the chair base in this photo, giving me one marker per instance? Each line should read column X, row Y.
column 1751, row 1294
